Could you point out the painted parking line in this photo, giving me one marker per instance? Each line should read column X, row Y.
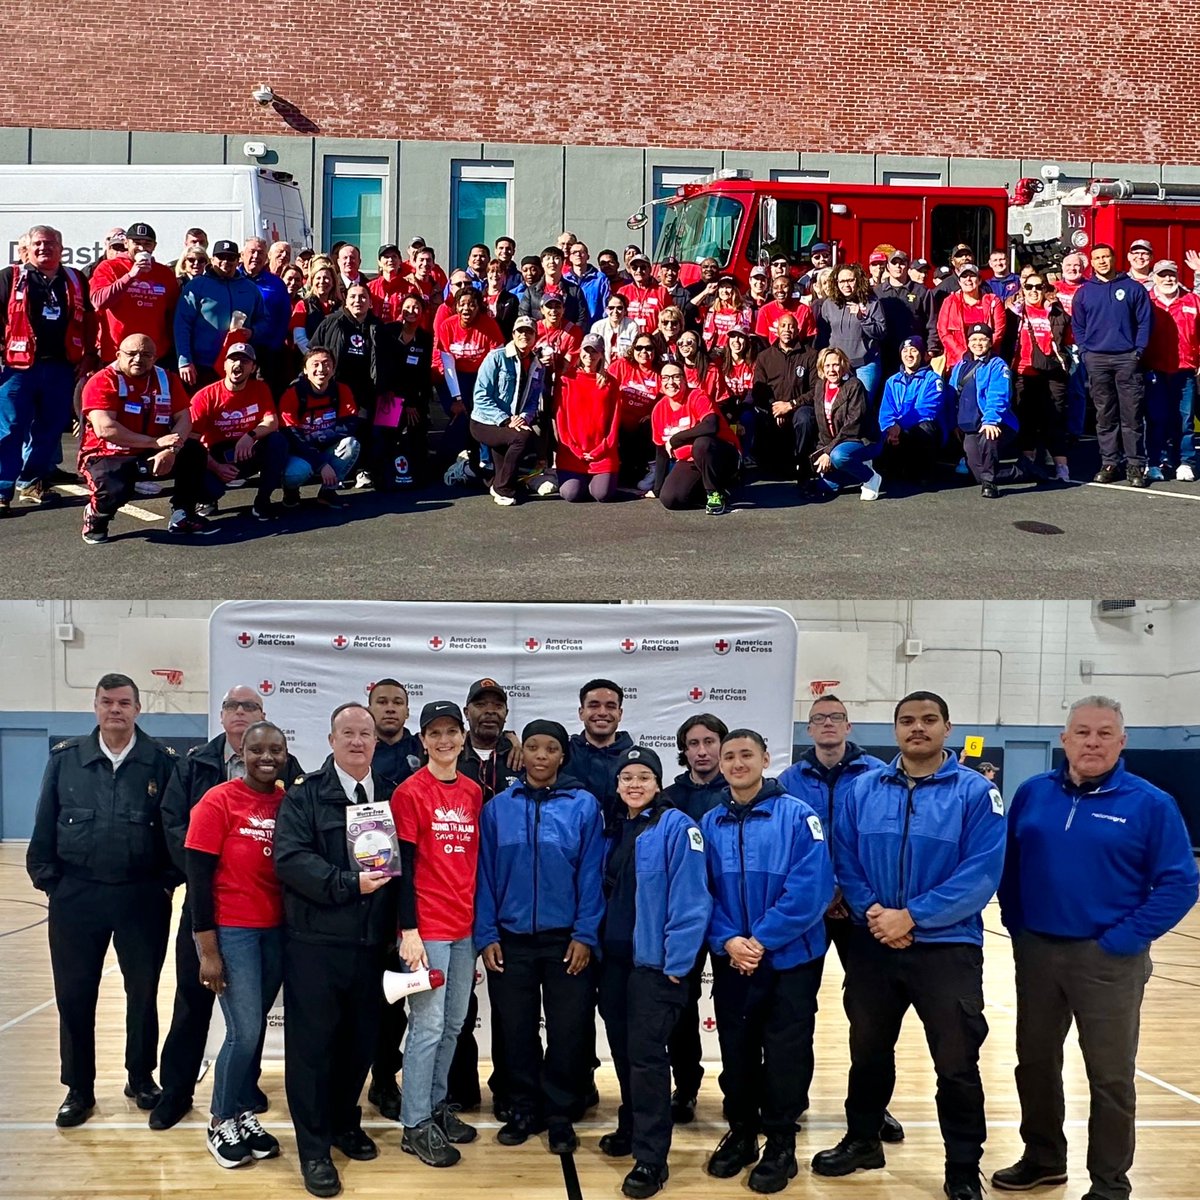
column 1148, row 491
column 131, row 510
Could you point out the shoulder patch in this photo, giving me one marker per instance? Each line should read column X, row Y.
column 171, row 751
column 192, row 749
column 695, row 838
column 997, row 802
column 299, row 779
column 62, row 745
column 814, row 827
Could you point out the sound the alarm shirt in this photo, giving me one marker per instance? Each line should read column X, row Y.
column 219, row 415
column 442, row 820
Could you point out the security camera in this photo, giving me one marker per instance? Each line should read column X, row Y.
column 1150, row 628
column 263, row 95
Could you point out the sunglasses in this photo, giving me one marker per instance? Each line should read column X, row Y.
column 241, row 706
column 616, row 308
column 197, row 261
column 667, row 321
column 1033, row 287
column 643, row 349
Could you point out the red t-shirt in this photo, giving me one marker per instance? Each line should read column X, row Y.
column 321, row 413
column 219, row 415
column 137, row 403
column 737, row 381
column 645, row 304
column 639, row 391
column 565, row 338
column 442, row 821
column 237, row 824
column 146, row 306
column 468, row 345
column 666, row 421
column 769, row 314
column 387, row 296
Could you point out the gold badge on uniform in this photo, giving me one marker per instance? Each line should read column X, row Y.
column 152, row 788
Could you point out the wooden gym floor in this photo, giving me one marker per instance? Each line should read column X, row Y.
column 115, row 1156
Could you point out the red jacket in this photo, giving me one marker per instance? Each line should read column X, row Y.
column 954, row 317
column 639, row 391
column 588, row 421
column 1174, row 333
column 20, row 344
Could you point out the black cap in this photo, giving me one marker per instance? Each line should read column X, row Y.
column 672, row 262
column 142, row 231
column 390, row 248
column 961, row 249
column 436, row 709
column 643, row 756
column 981, row 327
column 241, row 350
column 480, row 686
column 531, row 260
column 898, row 256
column 553, row 298
column 225, row 247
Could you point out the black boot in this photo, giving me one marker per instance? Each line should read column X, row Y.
column 891, row 1130
column 849, row 1155
column 736, row 1150
column 644, row 1180
column 75, row 1109
column 776, row 1167
column 962, row 1182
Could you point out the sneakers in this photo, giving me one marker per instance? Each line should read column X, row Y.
column 503, row 501
column 563, row 1139
column 457, row 1131
column 683, row 1107
column 33, row 493
column 428, row 1142
column 870, row 489
column 328, row 498
column 1108, row 473
column 1062, row 473
column 291, row 497
column 95, row 528
column 459, row 472
column 189, row 524
column 5, row 506
column 1024, row 1176
column 849, row 1155
column 989, row 491
column 362, row 480
column 207, row 509
column 716, row 504
column 519, row 1130
column 1155, row 475
column 227, row 1146
column 262, row 510
column 776, row 1167
column 261, row 1143
column 386, row 1097
column 148, row 487
column 736, row 1150
column 646, row 1179
column 75, row 1109
column 1138, row 477
column 618, row 1144
column 1184, row 473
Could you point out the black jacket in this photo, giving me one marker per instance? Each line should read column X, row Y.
column 321, row 897
column 362, row 367
column 781, row 374
column 849, row 419
column 98, row 824
column 202, row 768
column 595, row 767
column 696, row 799
column 407, row 366
column 575, row 305
column 396, row 762
column 494, row 775
column 905, row 312
column 508, row 309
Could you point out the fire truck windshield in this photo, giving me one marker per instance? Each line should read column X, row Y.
column 702, row 226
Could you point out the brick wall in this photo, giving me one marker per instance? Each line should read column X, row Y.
column 625, row 74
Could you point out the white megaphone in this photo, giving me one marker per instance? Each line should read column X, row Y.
column 398, row 984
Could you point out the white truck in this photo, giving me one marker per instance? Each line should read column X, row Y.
column 85, row 202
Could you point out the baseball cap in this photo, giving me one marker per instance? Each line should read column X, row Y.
column 480, row 686
column 436, row 709
column 981, row 327
column 390, row 248
column 1140, row 244
column 877, row 258
column 139, row 229
column 1166, row 266
column 418, row 243
column 758, row 273
column 961, row 249
column 922, row 264
column 729, row 279
column 898, row 256
column 671, row 262
column 639, row 258
column 524, row 323
column 225, row 248
column 968, row 269
column 741, row 328
column 553, row 298
column 819, row 248
column 116, row 234
column 593, row 341
column 781, row 258
column 241, row 350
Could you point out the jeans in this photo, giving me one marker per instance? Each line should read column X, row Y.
column 1170, row 401
column 35, row 407
column 870, row 376
column 341, row 457
column 253, row 961
column 852, row 460
column 434, row 1021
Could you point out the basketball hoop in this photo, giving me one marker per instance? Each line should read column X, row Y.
column 818, row 687
column 171, row 676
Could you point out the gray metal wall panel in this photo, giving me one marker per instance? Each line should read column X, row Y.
column 167, row 149
column 79, row 146
column 425, row 190
column 14, row 145
column 842, row 168
column 604, row 185
column 984, row 172
column 537, row 192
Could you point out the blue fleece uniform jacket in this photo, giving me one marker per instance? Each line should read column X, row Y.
column 1109, row 861
column 696, row 799
column 934, row 846
column 540, row 863
column 770, row 876
column 982, row 395
column 1112, row 317
column 910, row 399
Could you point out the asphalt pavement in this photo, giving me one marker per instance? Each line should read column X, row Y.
column 1082, row 540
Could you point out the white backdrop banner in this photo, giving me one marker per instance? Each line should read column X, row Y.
column 306, row 658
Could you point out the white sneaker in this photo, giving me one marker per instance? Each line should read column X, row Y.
column 459, row 471
column 503, row 501
column 1185, row 474
column 362, row 480
column 870, row 489
column 1062, row 473
column 227, row 1145
column 147, row 487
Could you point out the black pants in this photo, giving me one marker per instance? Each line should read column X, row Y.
column 983, row 454
column 509, row 445
column 393, row 1022
column 915, row 456
column 331, row 1026
column 684, row 1046
column 635, row 451
column 944, row 983
column 765, row 1025
column 640, row 1007
column 84, row 918
column 111, row 478
column 554, row 1083
column 1118, row 392
column 267, row 461
column 1041, row 406
column 711, row 468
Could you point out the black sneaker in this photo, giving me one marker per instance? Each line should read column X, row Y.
column 263, row 510
column 737, row 1150
column 386, row 1097
column 428, row 1142
column 169, row 1111
column 261, row 1143
column 962, row 1182
column 145, row 1093
column 1137, row 477
column 291, row 497
column 563, row 1139
column 457, row 1131
column 95, row 528
column 5, row 506
column 502, row 1109
column 226, row 1144
column 618, row 1144
column 776, row 1167
column 75, row 1109
column 683, row 1107
column 1024, row 1176
column 190, row 524
column 646, row 1179
column 989, row 491
column 320, row 1177
column 891, row 1130
column 849, row 1155
column 1109, row 473
column 354, row 1143
column 328, row 498
column 208, row 509
column 519, row 1130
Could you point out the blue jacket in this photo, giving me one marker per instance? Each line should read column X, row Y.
column 498, row 387
column 1004, row 286
column 937, row 851
column 272, row 329
column 206, row 305
column 1112, row 317
column 769, row 875
column 1111, row 861
column 910, row 399
column 596, row 767
column 672, row 900
column 596, row 290
column 540, row 864
column 696, row 799
column 824, row 791
column 985, row 398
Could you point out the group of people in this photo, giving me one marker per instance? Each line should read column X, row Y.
column 584, row 881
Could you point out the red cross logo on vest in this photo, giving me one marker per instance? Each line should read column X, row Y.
column 436, row 643
column 532, row 645
column 721, row 646
column 696, row 695
column 245, row 639
column 340, row 642
column 709, row 1024
column 628, row 646
column 266, row 687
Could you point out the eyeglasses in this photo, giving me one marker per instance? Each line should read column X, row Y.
column 827, row 719
column 240, row 706
column 672, row 378
column 846, row 279
column 616, row 308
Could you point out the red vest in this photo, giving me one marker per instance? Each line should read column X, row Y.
column 20, row 344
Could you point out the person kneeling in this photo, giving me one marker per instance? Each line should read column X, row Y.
column 982, row 389
column 847, row 445
column 912, row 415
column 587, row 425
column 698, row 452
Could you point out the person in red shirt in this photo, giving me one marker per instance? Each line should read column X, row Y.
column 428, row 280
column 460, row 344
column 697, row 450
column 735, row 387
column 562, row 336
column 235, row 421
column 436, row 812
column 1170, row 361
column 1040, row 366
column 970, row 305
column 782, row 301
column 639, row 386
column 698, row 370
column 136, row 423
column 390, row 286
column 723, row 314
column 237, row 916
column 134, row 294
column 587, row 423
column 644, row 295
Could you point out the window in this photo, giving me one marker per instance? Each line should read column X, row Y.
column 356, row 198
column 913, row 178
column 480, row 206
column 797, row 226
column 799, row 176
column 703, row 226
column 666, row 180
column 974, row 224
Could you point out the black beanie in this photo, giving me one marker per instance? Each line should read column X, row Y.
column 643, row 756
column 549, row 729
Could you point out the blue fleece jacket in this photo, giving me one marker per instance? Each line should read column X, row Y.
column 935, row 847
column 596, row 768
column 271, row 331
column 596, row 290
column 910, row 399
column 982, row 396
column 770, row 876
column 540, row 863
column 1109, row 861
column 206, row 306
column 1112, row 317
column 672, row 902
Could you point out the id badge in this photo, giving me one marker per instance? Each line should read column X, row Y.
column 51, row 312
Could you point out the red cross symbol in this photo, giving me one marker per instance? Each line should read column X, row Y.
column 709, row 1024
column 628, row 645
column 245, row 639
column 721, row 646
column 266, row 687
column 696, row 694
column 436, row 643
column 340, row 642
column 532, row 644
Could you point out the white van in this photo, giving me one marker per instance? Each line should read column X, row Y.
column 85, row 202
